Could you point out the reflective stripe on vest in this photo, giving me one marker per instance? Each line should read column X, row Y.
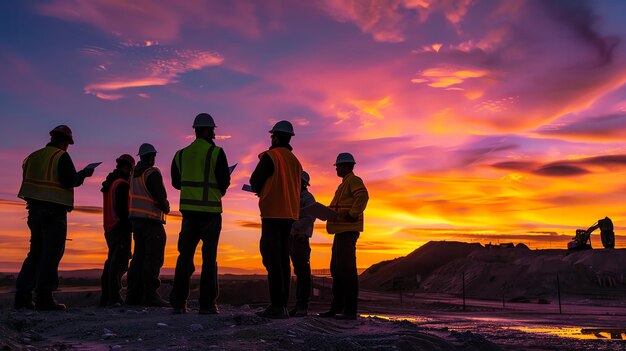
column 111, row 217
column 141, row 204
column 41, row 178
column 280, row 197
column 199, row 190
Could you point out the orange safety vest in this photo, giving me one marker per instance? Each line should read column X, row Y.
column 141, row 203
column 280, row 197
column 41, row 178
column 111, row 218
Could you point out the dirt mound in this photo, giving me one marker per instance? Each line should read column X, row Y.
column 388, row 275
column 490, row 273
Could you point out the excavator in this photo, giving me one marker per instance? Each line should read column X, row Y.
column 582, row 240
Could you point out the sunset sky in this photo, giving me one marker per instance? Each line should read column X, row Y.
column 472, row 120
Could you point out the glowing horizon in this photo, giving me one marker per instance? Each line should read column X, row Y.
column 467, row 123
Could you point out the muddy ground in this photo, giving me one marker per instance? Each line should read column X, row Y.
column 420, row 322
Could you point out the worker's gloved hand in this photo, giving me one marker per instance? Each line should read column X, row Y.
column 349, row 218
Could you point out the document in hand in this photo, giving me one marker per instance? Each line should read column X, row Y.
column 232, row 168
column 92, row 165
column 320, row 211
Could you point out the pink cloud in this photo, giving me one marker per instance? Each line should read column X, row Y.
column 161, row 66
column 388, row 20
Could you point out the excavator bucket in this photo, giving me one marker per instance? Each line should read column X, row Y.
column 607, row 235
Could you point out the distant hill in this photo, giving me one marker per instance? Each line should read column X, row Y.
column 422, row 262
column 490, row 272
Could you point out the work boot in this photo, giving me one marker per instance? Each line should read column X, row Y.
column 45, row 302
column 298, row 311
column 24, row 300
column 209, row 310
column 133, row 301
column 180, row 310
column 274, row 312
column 327, row 314
column 154, row 301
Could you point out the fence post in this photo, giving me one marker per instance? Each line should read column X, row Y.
column 463, row 291
column 558, row 292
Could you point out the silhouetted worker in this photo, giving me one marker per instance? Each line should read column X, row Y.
column 48, row 183
column 147, row 210
column 300, row 250
column 117, row 230
column 276, row 179
column 349, row 201
column 200, row 172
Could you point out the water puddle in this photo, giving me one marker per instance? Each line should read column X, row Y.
column 398, row 318
column 576, row 333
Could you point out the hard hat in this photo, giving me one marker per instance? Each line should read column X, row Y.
column 283, row 127
column 145, row 149
column 203, row 120
column 127, row 159
column 344, row 157
column 306, row 178
column 65, row 130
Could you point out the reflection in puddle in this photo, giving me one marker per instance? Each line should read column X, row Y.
column 576, row 333
column 412, row 319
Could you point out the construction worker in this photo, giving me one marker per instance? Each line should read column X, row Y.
column 117, row 230
column 349, row 201
column 48, row 183
column 200, row 172
column 276, row 180
column 147, row 210
column 300, row 250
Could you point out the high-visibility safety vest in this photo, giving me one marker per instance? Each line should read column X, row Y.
column 199, row 190
column 41, row 178
column 351, row 196
column 111, row 218
column 280, row 197
column 141, row 203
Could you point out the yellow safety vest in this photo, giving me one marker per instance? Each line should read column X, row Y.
column 41, row 178
column 141, row 203
column 280, row 197
column 199, row 190
column 351, row 196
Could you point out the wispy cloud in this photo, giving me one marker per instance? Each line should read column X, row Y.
column 140, row 67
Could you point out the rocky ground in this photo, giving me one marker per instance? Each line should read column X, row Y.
column 385, row 324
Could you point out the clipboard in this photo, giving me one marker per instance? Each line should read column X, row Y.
column 92, row 165
column 320, row 211
column 232, row 168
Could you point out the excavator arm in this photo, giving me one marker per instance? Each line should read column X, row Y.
column 582, row 240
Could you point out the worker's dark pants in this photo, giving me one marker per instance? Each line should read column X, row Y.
column 274, row 247
column 344, row 273
column 300, row 252
column 148, row 256
column 119, row 240
column 48, row 231
column 194, row 229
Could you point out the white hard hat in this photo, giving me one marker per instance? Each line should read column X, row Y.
column 306, row 178
column 146, row 148
column 283, row 127
column 203, row 120
column 344, row 157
